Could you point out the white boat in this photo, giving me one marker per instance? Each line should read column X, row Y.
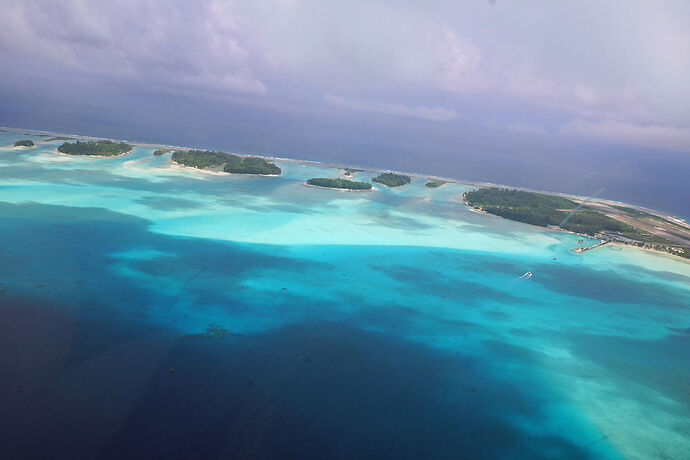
column 526, row 276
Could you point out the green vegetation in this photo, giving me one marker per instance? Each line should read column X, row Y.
column 99, row 148
column 673, row 250
column 436, row 183
column 159, row 152
column 543, row 210
column 633, row 211
column 339, row 183
column 593, row 222
column 199, row 158
column 641, row 236
column 683, row 252
column 24, row 143
column 251, row 165
column 516, row 199
column 59, row 138
column 392, row 180
column 233, row 163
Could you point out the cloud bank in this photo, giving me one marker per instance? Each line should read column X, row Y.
column 613, row 71
column 612, row 131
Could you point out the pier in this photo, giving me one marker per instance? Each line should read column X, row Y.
column 600, row 243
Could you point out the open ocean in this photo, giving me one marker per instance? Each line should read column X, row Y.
column 157, row 312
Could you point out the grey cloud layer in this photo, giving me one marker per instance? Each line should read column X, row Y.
column 614, row 71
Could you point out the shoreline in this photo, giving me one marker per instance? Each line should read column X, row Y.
column 176, row 165
column 97, row 156
column 340, row 189
column 647, row 249
column 663, row 214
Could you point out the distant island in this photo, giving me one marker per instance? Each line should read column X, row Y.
column 436, row 183
column 202, row 159
column 24, row 143
column 343, row 184
column 392, row 180
column 349, row 172
column 609, row 223
column 95, row 148
column 159, row 152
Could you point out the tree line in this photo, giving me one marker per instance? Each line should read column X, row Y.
column 100, row 148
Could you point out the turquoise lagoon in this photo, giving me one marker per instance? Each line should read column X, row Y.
column 154, row 311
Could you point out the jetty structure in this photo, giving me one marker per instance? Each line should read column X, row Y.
column 587, row 248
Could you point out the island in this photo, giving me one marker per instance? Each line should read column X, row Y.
column 251, row 165
column 24, row 143
column 609, row 223
column 199, row 159
column 349, row 172
column 159, row 152
column 102, row 148
column 435, row 183
column 342, row 184
column 202, row 159
column 392, row 180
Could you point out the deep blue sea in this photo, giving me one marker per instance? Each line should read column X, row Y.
column 151, row 311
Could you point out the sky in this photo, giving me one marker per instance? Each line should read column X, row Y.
column 544, row 73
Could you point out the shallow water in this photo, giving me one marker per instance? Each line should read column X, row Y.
column 149, row 311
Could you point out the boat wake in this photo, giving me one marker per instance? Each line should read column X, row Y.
column 526, row 276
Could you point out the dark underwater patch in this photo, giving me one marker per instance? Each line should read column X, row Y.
column 165, row 203
column 75, row 251
column 609, row 286
column 97, row 385
column 324, row 390
column 388, row 219
column 477, row 262
column 435, row 283
column 662, row 364
column 664, row 274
